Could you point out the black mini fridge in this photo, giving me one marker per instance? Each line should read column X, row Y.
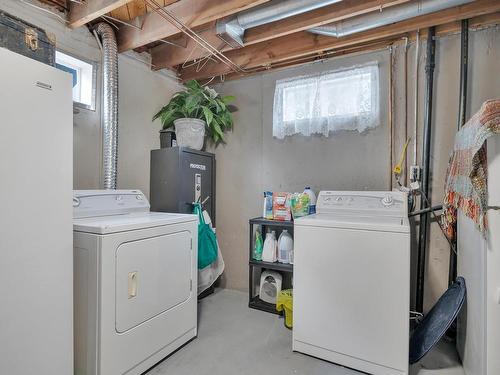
column 181, row 176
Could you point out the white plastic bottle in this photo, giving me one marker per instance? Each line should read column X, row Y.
column 275, row 246
column 312, row 198
column 285, row 247
column 269, row 250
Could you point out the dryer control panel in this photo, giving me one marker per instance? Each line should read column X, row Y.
column 94, row 203
column 387, row 203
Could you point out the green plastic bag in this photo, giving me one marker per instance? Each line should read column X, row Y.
column 207, row 241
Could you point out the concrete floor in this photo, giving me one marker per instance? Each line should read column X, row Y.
column 233, row 339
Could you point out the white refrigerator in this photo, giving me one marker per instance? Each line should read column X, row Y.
column 36, row 234
column 479, row 263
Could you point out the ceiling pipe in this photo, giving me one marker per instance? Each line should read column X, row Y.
column 232, row 29
column 385, row 17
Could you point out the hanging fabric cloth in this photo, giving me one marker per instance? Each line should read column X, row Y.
column 466, row 187
column 208, row 276
column 207, row 241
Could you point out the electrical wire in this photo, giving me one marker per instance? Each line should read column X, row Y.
column 111, row 23
column 148, row 64
column 390, row 113
column 62, row 19
column 108, row 18
column 214, row 52
column 98, row 41
column 172, row 19
column 170, row 43
column 406, row 104
column 324, row 55
column 428, row 203
column 151, row 65
column 57, row 4
column 415, row 134
column 207, row 83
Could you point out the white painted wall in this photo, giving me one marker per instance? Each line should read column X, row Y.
column 253, row 161
column 142, row 92
column 483, row 84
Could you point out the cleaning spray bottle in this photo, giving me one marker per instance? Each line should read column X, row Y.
column 257, row 251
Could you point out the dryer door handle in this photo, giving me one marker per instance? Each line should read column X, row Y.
column 132, row 284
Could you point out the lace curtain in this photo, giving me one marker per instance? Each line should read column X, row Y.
column 344, row 99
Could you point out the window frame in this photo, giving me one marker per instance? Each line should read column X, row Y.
column 94, row 64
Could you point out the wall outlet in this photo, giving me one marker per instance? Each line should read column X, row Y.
column 415, row 173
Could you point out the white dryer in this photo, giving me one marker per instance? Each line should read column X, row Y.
column 135, row 275
column 352, row 281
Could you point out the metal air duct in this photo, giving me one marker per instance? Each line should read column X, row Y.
column 385, row 17
column 233, row 29
column 109, row 104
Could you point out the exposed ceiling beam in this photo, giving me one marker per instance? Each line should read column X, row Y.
column 318, row 17
column 80, row 14
column 363, row 48
column 166, row 56
column 304, row 43
column 191, row 12
column 441, row 30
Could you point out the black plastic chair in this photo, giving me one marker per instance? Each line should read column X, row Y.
column 435, row 324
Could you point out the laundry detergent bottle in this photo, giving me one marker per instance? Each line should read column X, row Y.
column 285, row 247
column 312, row 198
column 269, row 251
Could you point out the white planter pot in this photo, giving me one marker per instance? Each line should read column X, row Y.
column 190, row 132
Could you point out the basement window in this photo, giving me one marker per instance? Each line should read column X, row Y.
column 84, row 79
column 322, row 103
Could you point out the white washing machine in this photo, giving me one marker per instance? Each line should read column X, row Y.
column 352, row 281
column 135, row 276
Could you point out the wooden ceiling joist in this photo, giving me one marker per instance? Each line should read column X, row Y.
column 360, row 48
column 166, row 56
column 304, row 43
column 135, row 8
column 80, row 14
column 441, row 30
column 191, row 12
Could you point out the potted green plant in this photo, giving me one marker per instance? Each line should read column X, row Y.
column 194, row 112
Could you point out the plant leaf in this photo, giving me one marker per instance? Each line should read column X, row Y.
column 208, row 115
column 218, row 129
column 193, row 84
column 228, row 99
column 160, row 112
column 191, row 104
column 197, row 101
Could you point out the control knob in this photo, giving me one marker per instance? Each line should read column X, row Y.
column 387, row 200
